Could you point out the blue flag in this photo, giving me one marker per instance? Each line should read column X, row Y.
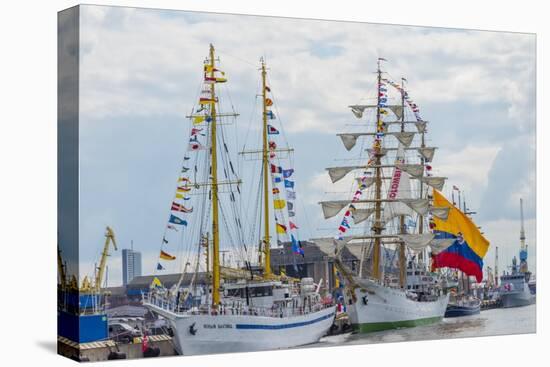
column 177, row 220
column 160, row 267
column 277, row 179
column 288, row 172
column 289, row 184
column 270, row 115
column 296, row 248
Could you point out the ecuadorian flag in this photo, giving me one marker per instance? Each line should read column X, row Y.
column 469, row 248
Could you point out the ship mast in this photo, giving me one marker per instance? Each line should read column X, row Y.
column 215, row 209
column 402, row 257
column 265, row 164
column 377, row 225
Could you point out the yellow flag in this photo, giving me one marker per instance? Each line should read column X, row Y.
column 279, row 203
column 198, row 119
column 206, row 101
column 459, row 222
column 180, row 196
column 280, row 228
column 156, row 283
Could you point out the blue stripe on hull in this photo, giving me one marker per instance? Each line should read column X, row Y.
column 283, row 326
column 457, row 311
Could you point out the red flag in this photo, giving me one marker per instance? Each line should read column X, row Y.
column 292, row 225
column 180, row 208
column 276, row 169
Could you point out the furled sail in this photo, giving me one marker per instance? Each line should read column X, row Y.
column 427, row 153
column 417, row 242
column 404, row 138
column 440, row 212
column 397, row 110
column 331, row 208
column 421, row 206
column 415, row 170
column 350, row 139
column 360, row 215
column 421, row 126
column 337, row 173
column 400, row 188
column 435, row 182
column 359, row 109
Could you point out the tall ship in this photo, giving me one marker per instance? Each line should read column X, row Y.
column 398, row 216
column 515, row 290
column 243, row 308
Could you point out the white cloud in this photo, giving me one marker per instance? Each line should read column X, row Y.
column 467, row 168
column 139, row 63
column 130, row 52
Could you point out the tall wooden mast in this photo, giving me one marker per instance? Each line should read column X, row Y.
column 215, row 226
column 265, row 162
column 377, row 226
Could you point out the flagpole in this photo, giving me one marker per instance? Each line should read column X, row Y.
column 267, row 247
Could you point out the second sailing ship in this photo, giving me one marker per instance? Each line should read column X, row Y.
column 399, row 200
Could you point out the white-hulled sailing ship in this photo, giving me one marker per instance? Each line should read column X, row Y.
column 393, row 201
column 240, row 310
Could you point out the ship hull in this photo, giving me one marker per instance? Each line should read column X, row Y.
column 389, row 308
column 458, row 311
column 517, row 299
column 209, row 334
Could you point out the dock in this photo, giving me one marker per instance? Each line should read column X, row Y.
column 109, row 349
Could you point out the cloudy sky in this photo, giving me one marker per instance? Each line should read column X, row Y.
column 139, row 75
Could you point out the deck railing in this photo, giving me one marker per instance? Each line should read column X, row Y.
column 232, row 308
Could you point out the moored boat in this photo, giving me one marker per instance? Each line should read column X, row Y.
column 463, row 306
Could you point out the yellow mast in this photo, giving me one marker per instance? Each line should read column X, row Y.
column 265, row 152
column 215, row 227
column 377, row 227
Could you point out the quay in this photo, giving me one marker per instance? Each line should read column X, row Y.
column 160, row 345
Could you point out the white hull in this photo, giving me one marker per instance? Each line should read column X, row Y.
column 208, row 334
column 390, row 308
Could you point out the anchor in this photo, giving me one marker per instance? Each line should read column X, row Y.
column 192, row 329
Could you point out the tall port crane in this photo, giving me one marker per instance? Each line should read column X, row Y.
column 523, row 249
column 87, row 286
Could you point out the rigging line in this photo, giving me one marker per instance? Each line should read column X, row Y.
column 278, row 115
column 256, row 223
column 225, row 158
column 255, row 66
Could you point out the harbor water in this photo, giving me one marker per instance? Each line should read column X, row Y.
column 499, row 321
